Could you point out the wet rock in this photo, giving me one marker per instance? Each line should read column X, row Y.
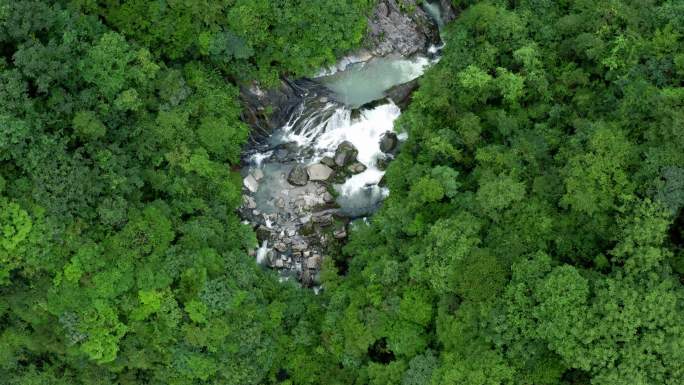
column 263, row 233
column 328, row 161
column 374, row 104
column 280, row 246
column 345, row 154
column 279, row 263
column 319, row 172
column 388, row 142
column 383, row 163
column 356, row 168
column 258, row 174
column 280, row 203
column 251, row 183
column 355, row 115
column 249, row 202
column 282, row 154
column 401, row 94
column 383, row 181
column 287, row 152
column 298, row 176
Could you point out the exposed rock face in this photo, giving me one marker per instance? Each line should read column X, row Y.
column 401, row 94
column 319, row 172
column 400, row 26
column 298, row 175
column 388, row 142
column 266, row 109
column 345, row 154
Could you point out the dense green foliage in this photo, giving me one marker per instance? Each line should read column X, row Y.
column 534, row 233
column 121, row 257
column 529, row 235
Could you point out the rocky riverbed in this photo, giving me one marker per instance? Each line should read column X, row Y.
column 319, row 146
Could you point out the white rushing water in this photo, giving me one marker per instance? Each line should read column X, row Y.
column 334, row 121
column 262, row 252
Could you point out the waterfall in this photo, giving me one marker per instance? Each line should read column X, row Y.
column 262, row 252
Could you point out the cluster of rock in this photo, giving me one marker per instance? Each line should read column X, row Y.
column 302, row 220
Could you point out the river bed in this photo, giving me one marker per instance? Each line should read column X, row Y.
column 324, row 167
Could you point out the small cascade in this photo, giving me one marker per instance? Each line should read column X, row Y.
column 262, row 253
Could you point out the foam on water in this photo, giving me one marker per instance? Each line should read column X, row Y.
column 262, row 252
column 364, row 133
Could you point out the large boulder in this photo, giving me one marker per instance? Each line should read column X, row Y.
column 298, row 175
column 251, row 183
column 345, row 154
column 388, row 142
column 400, row 26
column 356, row 168
column 401, row 94
column 319, row 172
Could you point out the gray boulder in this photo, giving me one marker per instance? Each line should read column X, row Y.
column 319, row 172
column 401, row 94
column 249, row 202
column 328, row 161
column 251, row 183
column 298, row 176
column 263, row 233
column 356, row 168
column 388, row 142
column 345, row 154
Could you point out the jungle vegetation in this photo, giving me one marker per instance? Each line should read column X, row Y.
column 534, row 233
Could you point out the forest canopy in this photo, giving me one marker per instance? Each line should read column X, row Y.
column 534, row 233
